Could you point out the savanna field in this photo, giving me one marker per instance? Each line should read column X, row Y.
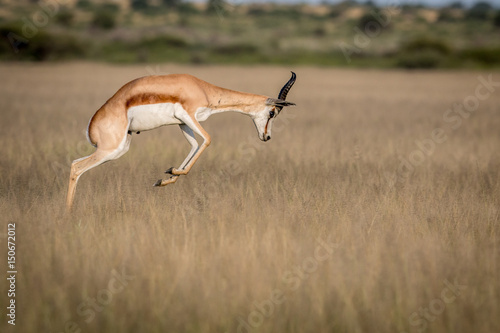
column 374, row 208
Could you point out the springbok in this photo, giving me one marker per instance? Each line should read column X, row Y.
column 177, row 99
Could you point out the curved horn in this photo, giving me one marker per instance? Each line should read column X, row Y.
column 286, row 88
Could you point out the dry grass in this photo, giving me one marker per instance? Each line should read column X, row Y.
column 246, row 222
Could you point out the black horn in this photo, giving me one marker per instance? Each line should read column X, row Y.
column 286, row 88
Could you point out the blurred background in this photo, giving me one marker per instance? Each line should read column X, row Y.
column 382, row 34
column 357, row 163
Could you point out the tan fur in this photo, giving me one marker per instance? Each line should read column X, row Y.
column 191, row 92
column 108, row 127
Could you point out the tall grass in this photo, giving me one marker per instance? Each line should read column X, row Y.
column 306, row 233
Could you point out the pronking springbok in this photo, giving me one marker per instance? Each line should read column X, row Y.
column 177, row 99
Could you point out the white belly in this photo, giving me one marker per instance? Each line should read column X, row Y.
column 151, row 116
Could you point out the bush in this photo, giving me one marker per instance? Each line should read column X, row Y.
column 424, row 43
column 484, row 56
column 334, row 13
column 65, row 17
column 171, row 3
column 139, row 4
column 84, row 4
column 162, row 42
column 6, row 49
column 110, row 7
column 257, row 11
column 423, row 52
column 216, row 6
column 456, row 5
column 104, row 19
column 236, row 49
column 187, row 8
column 426, row 59
column 496, row 20
column 479, row 11
column 289, row 12
column 319, row 32
column 447, row 15
column 42, row 46
column 369, row 24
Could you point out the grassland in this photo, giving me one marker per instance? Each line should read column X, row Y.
column 318, row 222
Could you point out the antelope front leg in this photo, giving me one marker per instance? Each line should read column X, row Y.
column 193, row 155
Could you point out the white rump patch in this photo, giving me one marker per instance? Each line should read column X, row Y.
column 151, row 116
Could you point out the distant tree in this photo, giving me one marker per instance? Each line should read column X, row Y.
column 171, row 3
column 479, row 11
column 65, row 17
column 348, row 3
column 496, row 19
column 139, row 4
column 216, row 6
column 104, row 19
column 84, row 4
column 447, row 15
column 370, row 3
column 111, row 7
column 187, row 8
column 369, row 24
column 456, row 5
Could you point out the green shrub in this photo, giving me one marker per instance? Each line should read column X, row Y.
column 216, row 6
column 496, row 20
column 456, row 5
column 484, row 56
column 319, row 32
column 139, row 4
column 163, row 42
column 479, row 11
column 334, row 13
column 257, row 11
column 104, row 19
column 42, row 46
column 423, row 52
column 235, row 49
column 112, row 8
column 426, row 59
column 12, row 30
column 186, row 8
column 425, row 43
column 288, row 13
column 171, row 3
column 369, row 24
column 447, row 15
column 84, row 4
column 65, row 17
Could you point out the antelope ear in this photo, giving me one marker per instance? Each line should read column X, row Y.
column 278, row 102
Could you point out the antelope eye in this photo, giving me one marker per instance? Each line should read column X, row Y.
column 271, row 114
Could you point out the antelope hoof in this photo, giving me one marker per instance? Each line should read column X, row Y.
column 170, row 170
column 165, row 182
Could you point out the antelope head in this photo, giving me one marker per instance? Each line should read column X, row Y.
column 264, row 119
